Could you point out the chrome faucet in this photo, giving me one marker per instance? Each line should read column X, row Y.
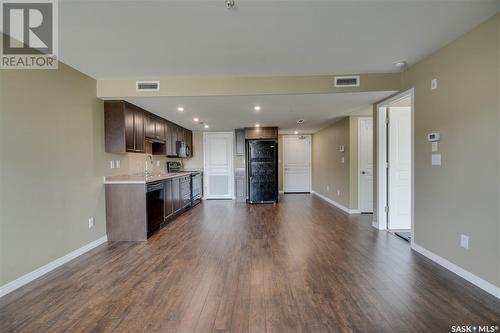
column 149, row 157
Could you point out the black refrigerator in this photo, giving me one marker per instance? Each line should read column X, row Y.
column 262, row 166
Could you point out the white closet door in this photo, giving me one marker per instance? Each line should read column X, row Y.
column 218, row 165
column 399, row 181
column 297, row 163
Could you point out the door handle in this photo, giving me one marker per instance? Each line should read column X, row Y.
column 363, row 172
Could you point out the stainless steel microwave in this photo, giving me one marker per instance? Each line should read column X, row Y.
column 182, row 149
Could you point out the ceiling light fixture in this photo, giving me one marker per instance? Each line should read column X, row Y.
column 256, row 108
column 196, row 119
column 401, row 65
column 206, row 126
column 257, row 125
column 180, row 109
column 296, row 132
column 229, row 4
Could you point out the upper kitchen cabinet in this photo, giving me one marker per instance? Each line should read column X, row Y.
column 171, row 133
column 124, row 127
column 261, row 133
column 154, row 128
column 128, row 127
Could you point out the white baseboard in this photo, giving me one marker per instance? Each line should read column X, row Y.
column 21, row 281
column 336, row 204
column 474, row 279
column 375, row 225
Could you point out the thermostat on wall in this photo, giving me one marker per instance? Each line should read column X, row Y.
column 431, row 137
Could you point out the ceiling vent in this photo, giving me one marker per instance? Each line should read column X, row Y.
column 347, row 81
column 147, row 85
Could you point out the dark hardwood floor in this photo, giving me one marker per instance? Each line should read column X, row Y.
column 299, row 266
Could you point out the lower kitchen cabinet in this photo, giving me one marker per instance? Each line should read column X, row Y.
column 169, row 200
column 176, row 194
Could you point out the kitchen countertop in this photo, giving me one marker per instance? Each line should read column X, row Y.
column 142, row 179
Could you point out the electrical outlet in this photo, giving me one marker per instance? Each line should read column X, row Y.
column 328, row 188
column 338, row 193
column 464, row 241
column 112, row 164
column 91, row 222
column 118, row 164
column 434, row 84
column 342, row 159
column 157, row 163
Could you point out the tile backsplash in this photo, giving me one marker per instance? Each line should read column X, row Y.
column 133, row 163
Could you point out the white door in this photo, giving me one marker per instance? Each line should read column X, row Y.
column 365, row 144
column 399, row 157
column 297, row 163
column 218, row 165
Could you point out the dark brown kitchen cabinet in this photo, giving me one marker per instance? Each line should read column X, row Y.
column 176, row 194
column 160, row 129
column 154, row 128
column 128, row 127
column 149, row 127
column 185, row 191
column 261, row 133
column 171, row 133
column 124, row 127
column 169, row 201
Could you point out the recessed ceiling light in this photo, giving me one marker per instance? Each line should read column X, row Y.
column 257, row 125
column 206, row 126
column 256, row 108
column 196, row 119
column 180, row 109
column 296, row 132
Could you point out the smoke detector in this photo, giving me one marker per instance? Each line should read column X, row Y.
column 229, row 4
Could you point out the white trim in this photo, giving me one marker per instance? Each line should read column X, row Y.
column 27, row 278
column 336, row 204
column 310, row 159
column 281, row 192
column 359, row 159
column 474, row 279
column 381, row 159
column 232, row 195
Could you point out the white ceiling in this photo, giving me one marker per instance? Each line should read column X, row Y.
column 149, row 39
column 230, row 112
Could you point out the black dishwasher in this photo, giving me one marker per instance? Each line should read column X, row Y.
column 155, row 197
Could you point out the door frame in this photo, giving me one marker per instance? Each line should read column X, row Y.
column 310, row 159
column 381, row 221
column 231, row 165
column 359, row 161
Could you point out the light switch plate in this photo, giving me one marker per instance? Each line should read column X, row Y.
column 434, row 84
column 436, row 159
column 434, row 146
column 464, row 241
column 118, row 164
column 342, row 159
column 112, row 164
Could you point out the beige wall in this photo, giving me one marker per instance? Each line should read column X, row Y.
column 52, row 166
column 328, row 173
column 463, row 195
